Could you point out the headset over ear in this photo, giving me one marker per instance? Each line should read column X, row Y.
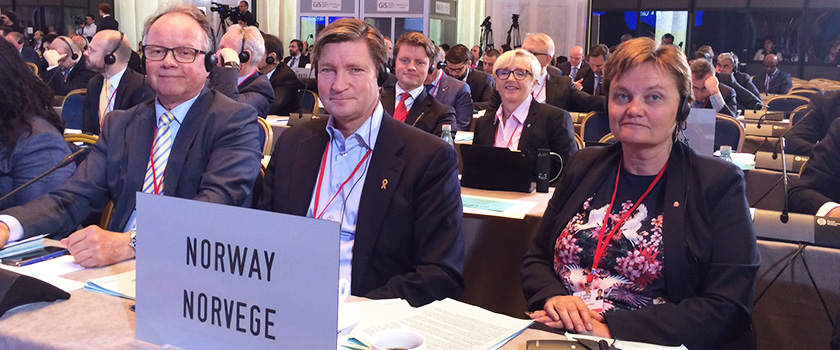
column 244, row 57
column 75, row 55
column 210, row 57
column 683, row 110
column 110, row 58
column 269, row 59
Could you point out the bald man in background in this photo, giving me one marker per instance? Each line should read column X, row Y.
column 574, row 64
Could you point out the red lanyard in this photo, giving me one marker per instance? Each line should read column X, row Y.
column 321, row 179
column 535, row 94
column 435, row 87
column 602, row 243
column 155, row 183
column 511, row 135
column 249, row 77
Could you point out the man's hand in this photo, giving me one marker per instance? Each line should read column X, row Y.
column 833, row 213
column 53, row 57
column 4, row 234
column 93, row 246
column 228, row 55
column 712, row 84
column 579, row 84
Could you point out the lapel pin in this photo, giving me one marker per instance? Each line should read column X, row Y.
column 676, row 204
column 384, row 183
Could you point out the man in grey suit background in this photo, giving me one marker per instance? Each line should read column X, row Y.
column 190, row 142
column 458, row 66
column 451, row 92
column 241, row 50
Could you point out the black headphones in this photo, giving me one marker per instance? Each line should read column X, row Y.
column 110, row 58
column 269, row 59
column 682, row 111
column 75, row 55
column 244, row 57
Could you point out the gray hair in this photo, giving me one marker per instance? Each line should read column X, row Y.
column 544, row 40
column 189, row 10
column 254, row 41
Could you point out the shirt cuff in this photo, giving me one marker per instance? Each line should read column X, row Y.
column 52, row 67
column 15, row 229
column 823, row 211
column 717, row 101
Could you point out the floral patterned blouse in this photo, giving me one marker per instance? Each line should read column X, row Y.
column 631, row 272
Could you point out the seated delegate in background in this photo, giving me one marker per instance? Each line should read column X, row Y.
column 520, row 122
column 708, row 92
column 241, row 50
column 31, row 138
column 772, row 80
column 768, row 49
column 664, row 234
column 818, row 190
column 823, row 110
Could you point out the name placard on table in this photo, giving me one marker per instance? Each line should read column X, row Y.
column 211, row 276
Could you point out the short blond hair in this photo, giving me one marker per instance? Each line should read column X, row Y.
column 635, row 52
column 506, row 59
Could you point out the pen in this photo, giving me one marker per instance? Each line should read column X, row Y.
column 43, row 258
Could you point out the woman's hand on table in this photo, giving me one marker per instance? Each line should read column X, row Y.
column 571, row 313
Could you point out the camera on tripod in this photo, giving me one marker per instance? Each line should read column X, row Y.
column 225, row 11
column 78, row 20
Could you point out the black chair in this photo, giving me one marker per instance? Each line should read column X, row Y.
column 728, row 132
column 72, row 108
column 786, row 103
column 595, row 126
column 798, row 114
column 308, row 101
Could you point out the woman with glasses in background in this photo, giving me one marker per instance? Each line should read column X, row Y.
column 521, row 123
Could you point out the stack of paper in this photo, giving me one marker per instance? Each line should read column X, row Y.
column 625, row 345
column 506, row 208
column 123, row 285
column 22, row 247
column 447, row 324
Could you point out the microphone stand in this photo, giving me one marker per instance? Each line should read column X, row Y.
column 784, row 217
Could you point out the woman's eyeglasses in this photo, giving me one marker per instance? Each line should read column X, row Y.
column 518, row 74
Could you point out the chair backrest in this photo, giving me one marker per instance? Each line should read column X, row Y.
column 786, row 103
column 77, row 141
column 803, row 92
column 728, row 131
column 33, row 67
column 308, row 101
column 595, row 126
column 608, row 138
column 797, row 114
column 579, row 141
column 72, row 108
column 267, row 134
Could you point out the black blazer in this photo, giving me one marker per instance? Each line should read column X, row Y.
column 728, row 107
column 107, row 22
column 566, row 67
column 426, row 113
column 545, row 127
column 745, row 99
column 77, row 79
column 215, row 158
column 588, row 83
column 409, row 235
column 302, row 60
column 481, row 88
column 780, row 82
column 822, row 111
column 29, row 55
column 132, row 90
column 746, row 82
column 560, row 93
column 710, row 249
column 818, row 183
column 285, row 84
column 255, row 91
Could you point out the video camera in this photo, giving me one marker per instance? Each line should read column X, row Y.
column 225, row 11
column 78, row 20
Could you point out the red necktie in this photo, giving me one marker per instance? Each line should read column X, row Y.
column 401, row 111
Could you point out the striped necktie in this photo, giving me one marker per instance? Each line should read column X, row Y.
column 160, row 156
column 574, row 72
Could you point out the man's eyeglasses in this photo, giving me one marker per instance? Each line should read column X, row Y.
column 456, row 70
column 182, row 54
column 539, row 53
column 518, row 74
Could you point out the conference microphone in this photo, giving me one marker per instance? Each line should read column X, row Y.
column 784, row 216
column 776, row 145
column 758, row 106
column 63, row 163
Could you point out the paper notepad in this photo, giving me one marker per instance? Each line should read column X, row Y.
column 123, row 285
column 499, row 205
column 22, row 247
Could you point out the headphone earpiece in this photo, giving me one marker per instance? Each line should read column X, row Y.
column 75, row 55
column 244, row 57
column 269, row 60
column 110, row 58
column 684, row 110
column 381, row 76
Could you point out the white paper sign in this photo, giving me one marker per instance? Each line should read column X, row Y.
column 326, row 5
column 442, row 8
column 392, row 5
column 700, row 130
column 211, row 276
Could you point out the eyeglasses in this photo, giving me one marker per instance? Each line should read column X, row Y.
column 518, row 74
column 539, row 53
column 182, row 54
column 460, row 69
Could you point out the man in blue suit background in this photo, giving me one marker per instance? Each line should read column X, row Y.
column 773, row 81
column 451, row 92
column 190, row 142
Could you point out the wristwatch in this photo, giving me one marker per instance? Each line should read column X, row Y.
column 133, row 242
column 233, row 65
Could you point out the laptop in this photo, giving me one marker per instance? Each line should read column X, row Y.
column 496, row 168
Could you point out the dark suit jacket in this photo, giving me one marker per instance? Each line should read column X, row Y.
column 709, row 241
column 285, row 84
column 481, row 88
column 107, row 22
column 588, row 83
column 132, row 90
column 822, row 111
column 302, row 60
column 560, row 93
column 819, row 181
column 566, row 67
column 780, row 82
column 77, row 79
column 255, row 91
column 545, row 127
column 135, row 63
column 456, row 93
column 746, row 82
column 35, row 152
column 215, row 158
column 29, row 55
column 409, row 236
column 729, row 101
column 426, row 113
column 744, row 98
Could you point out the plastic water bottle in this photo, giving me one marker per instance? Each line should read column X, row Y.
column 447, row 135
column 726, row 153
